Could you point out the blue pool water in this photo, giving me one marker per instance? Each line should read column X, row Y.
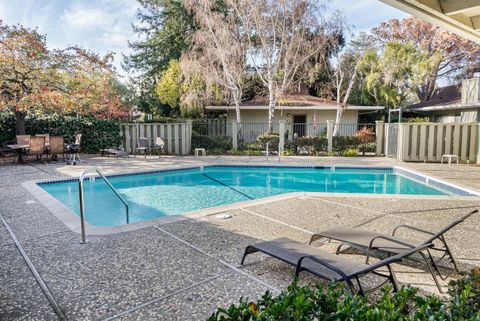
column 152, row 195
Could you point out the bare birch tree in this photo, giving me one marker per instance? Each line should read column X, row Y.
column 282, row 35
column 344, row 77
column 218, row 47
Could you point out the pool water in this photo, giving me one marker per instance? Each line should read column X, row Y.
column 152, row 195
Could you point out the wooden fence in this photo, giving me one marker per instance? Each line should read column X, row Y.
column 177, row 136
column 429, row 141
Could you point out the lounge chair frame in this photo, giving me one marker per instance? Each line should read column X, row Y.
column 430, row 261
column 349, row 279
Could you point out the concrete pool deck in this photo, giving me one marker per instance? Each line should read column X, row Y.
column 183, row 269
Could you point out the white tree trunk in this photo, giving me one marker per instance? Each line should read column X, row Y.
column 271, row 107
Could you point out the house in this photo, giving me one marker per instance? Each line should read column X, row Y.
column 452, row 104
column 305, row 115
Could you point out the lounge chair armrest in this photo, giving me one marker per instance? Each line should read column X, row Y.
column 370, row 246
column 411, row 228
column 316, row 260
column 316, row 237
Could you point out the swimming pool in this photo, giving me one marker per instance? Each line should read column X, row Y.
column 172, row 192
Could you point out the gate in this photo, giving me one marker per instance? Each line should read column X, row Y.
column 392, row 140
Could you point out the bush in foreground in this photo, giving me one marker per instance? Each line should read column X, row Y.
column 333, row 302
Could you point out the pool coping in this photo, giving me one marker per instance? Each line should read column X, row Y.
column 72, row 220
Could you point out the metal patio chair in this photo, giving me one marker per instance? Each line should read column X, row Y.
column 370, row 242
column 143, row 145
column 159, row 146
column 330, row 266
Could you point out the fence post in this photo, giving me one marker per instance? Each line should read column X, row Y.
column 330, row 136
column 188, row 137
column 281, row 133
column 400, row 142
column 379, row 130
column 478, row 144
column 234, row 135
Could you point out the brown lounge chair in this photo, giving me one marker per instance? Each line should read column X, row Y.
column 330, row 266
column 371, row 242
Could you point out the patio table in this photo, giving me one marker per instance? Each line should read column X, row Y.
column 20, row 149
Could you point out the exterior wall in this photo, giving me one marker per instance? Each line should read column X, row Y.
column 458, row 116
column 469, row 117
column 471, row 90
column 260, row 116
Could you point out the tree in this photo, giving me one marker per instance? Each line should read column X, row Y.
column 219, row 47
column 345, row 76
column 282, row 35
column 165, row 28
column 392, row 76
column 36, row 79
column 169, row 87
column 457, row 54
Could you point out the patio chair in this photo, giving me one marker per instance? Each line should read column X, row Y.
column 47, row 137
column 23, row 139
column 57, row 147
column 330, row 266
column 7, row 152
column 37, row 147
column 74, row 150
column 143, row 144
column 159, row 146
column 370, row 242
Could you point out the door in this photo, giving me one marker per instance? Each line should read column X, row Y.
column 299, row 125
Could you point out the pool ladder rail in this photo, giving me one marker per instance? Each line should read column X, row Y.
column 95, row 170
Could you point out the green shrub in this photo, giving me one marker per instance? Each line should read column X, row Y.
column 350, row 152
column 312, row 145
column 334, row 302
column 220, row 144
column 97, row 133
column 7, row 127
column 341, row 143
column 272, row 140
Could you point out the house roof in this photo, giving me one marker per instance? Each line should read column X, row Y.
column 441, row 97
column 293, row 102
column 445, row 98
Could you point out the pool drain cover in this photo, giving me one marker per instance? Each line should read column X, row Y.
column 223, row 216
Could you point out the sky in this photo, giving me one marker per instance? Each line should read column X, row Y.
column 106, row 25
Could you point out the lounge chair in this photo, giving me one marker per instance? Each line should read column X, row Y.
column 329, row 266
column 370, row 242
column 114, row 152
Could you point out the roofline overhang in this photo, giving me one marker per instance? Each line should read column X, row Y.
column 316, row 108
column 443, row 107
column 435, row 17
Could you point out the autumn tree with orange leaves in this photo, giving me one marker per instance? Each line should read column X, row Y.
column 35, row 79
column 459, row 56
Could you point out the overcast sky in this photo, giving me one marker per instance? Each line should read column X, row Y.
column 105, row 25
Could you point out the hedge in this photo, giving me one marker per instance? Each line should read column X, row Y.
column 219, row 144
column 97, row 134
column 334, row 302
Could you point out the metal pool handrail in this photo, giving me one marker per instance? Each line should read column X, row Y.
column 94, row 169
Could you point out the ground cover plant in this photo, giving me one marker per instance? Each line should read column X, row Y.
column 334, row 302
